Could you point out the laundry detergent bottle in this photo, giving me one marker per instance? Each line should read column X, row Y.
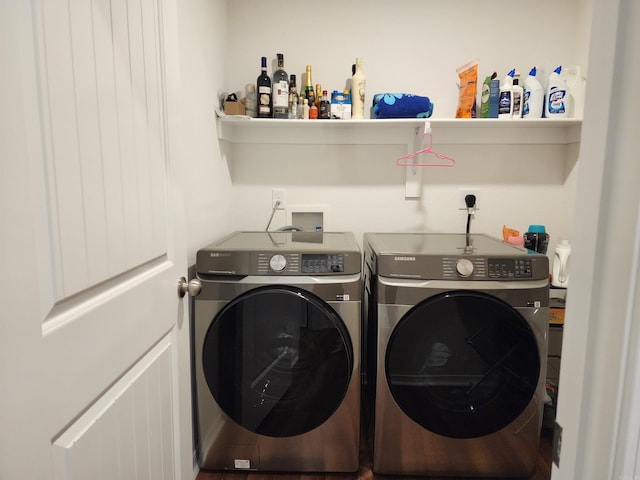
column 533, row 96
column 558, row 102
column 560, row 276
column 505, row 102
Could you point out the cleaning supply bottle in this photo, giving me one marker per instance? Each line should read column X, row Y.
column 576, row 83
column 505, row 104
column 560, row 277
column 558, row 101
column 533, row 96
column 517, row 97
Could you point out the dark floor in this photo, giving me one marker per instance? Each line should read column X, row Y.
column 543, row 470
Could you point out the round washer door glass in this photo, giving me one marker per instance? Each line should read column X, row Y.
column 278, row 360
column 462, row 364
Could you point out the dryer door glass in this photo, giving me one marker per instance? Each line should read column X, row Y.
column 278, row 360
column 462, row 364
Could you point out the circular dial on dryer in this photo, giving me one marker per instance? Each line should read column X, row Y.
column 464, row 267
column 277, row 263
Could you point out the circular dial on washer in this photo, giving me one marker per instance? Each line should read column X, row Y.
column 277, row 263
column 464, row 267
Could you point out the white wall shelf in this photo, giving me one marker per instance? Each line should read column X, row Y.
column 241, row 129
column 407, row 132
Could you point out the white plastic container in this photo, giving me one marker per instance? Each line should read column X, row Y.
column 517, row 97
column 560, row 276
column 358, row 88
column 505, row 102
column 533, row 96
column 576, row 83
column 558, row 101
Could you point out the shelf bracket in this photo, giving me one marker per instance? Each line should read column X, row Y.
column 413, row 182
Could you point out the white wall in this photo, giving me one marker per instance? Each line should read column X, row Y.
column 206, row 181
column 411, row 46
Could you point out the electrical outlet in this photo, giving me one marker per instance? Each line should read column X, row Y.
column 277, row 194
column 469, row 191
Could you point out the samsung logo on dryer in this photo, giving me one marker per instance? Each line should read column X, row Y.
column 404, row 259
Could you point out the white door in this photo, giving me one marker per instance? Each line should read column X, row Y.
column 94, row 366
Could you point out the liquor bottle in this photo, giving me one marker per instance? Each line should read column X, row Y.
column 305, row 109
column 280, row 90
column 313, row 112
column 264, row 92
column 358, row 87
column 308, row 89
column 294, row 99
column 324, row 111
column 318, row 95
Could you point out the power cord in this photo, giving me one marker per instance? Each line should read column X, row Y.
column 273, row 212
column 470, row 201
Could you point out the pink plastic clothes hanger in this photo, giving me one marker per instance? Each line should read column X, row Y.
column 425, row 151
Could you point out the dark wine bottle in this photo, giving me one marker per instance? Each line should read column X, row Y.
column 264, row 91
column 324, row 111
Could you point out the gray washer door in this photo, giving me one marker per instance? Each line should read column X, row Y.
column 462, row 364
column 278, row 360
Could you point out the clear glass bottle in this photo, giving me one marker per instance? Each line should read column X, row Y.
column 294, row 99
column 280, row 90
column 358, row 88
column 251, row 100
column 264, row 91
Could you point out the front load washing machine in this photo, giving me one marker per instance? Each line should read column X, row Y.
column 456, row 329
column 276, row 352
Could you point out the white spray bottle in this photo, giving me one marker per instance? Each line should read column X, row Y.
column 533, row 96
column 558, row 103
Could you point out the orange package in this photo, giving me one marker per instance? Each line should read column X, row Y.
column 509, row 232
column 468, row 75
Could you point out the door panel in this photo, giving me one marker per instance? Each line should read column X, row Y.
column 108, row 191
column 94, row 339
column 137, row 406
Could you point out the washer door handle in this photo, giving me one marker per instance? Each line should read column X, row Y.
column 193, row 288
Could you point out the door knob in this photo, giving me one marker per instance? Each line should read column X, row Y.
column 193, row 287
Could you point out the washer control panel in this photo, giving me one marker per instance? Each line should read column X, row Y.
column 301, row 263
column 321, row 263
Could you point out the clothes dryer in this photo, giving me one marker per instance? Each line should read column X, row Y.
column 456, row 329
column 276, row 352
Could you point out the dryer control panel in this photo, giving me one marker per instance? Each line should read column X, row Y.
column 510, row 268
column 482, row 268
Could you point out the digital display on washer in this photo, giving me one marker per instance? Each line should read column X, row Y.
column 510, row 268
column 321, row 263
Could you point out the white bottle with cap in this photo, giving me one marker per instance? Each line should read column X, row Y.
column 505, row 101
column 560, row 274
column 533, row 96
column 558, row 102
column 517, row 97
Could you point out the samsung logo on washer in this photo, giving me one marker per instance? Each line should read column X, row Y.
column 404, row 259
